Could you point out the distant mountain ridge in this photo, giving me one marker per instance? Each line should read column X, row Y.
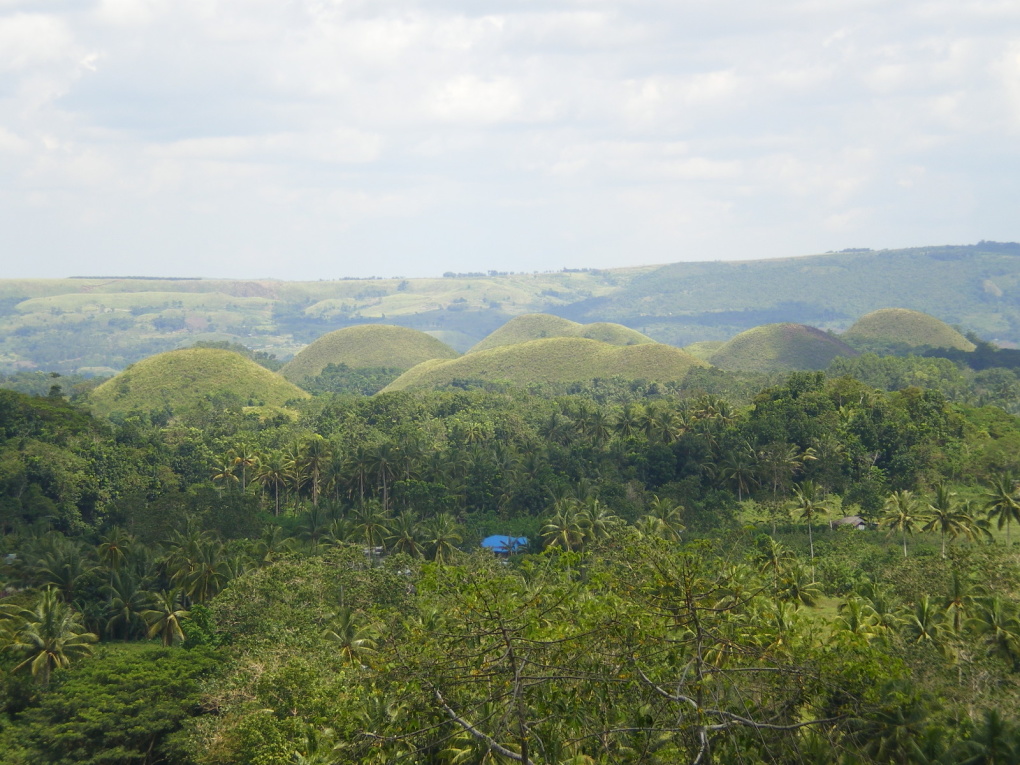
column 103, row 324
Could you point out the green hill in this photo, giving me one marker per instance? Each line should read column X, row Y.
column 538, row 326
column 69, row 325
column 705, row 350
column 183, row 379
column 906, row 327
column 778, row 347
column 554, row 360
column 365, row 346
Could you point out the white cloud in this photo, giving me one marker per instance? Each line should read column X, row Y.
column 617, row 132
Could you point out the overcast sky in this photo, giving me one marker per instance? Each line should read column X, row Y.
column 307, row 139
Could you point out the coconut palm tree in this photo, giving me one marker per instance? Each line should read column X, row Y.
column 405, row 535
column 127, row 604
column 354, row 640
column 1001, row 502
column 371, row 524
column 442, row 535
column 165, row 616
column 564, row 528
column 809, row 502
column 946, row 516
column 271, row 474
column 49, row 636
column 900, row 515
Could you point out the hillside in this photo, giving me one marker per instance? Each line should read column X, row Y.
column 184, row 379
column 537, row 326
column 100, row 325
column 554, row 360
column 778, row 347
column 370, row 345
column 904, row 327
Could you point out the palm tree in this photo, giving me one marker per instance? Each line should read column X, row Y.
column 738, row 468
column 810, row 505
column 272, row 474
column 663, row 519
column 996, row 741
column 405, row 533
column 244, row 457
column 384, row 460
column 223, row 471
column 595, row 520
column 442, row 534
column 127, row 604
column 996, row 621
column 900, row 515
column 564, row 528
column 926, row 623
column 165, row 616
column 946, row 516
column 371, row 523
column 113, row 549
column 315, row 457
column 50, row 636
column 1001, row 502
column 354, row 641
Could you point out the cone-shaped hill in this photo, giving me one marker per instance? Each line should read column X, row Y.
column 905, row 327
column 365, row 346
column 554, row 360
column 184, row 378
column 538, row 326
column 778, row 347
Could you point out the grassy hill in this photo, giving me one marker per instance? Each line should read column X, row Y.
column 370, row 345
column 537, row 326
column 776, row 347
column 974, row 286
column 186, row 378
column 704, row 350
column 554, row 360
column 69, row 325
column 905, row 327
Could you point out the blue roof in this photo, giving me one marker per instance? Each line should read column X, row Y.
column 501, row 543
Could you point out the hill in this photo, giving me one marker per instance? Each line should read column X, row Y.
column 778, row 347
column 186, row 378
column 537, row 326
column 554, row 360
column 70, row 325
column 366, row 346
column 905, row 327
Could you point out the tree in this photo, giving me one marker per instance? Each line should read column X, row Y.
column 49, row 636
column 405, row 535
column 121, row 706
column 272, row 474
column 165, row 616
column 946, row 516
column 354, row 640
column 1001, row 502
column 442, row 535
column 564, row 529
column 810, row 505
column 900, row 515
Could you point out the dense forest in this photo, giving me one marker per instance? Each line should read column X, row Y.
column 806, row 568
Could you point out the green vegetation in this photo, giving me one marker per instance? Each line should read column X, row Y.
column 704, row 350
column 780, row 567
column 780, row 347
column 185, row 379
column 555, row 360
column 73, row 325
column 538, row 326
column 368, row 345
column 913, row 329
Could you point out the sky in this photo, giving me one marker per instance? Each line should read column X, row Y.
column 320, row 139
